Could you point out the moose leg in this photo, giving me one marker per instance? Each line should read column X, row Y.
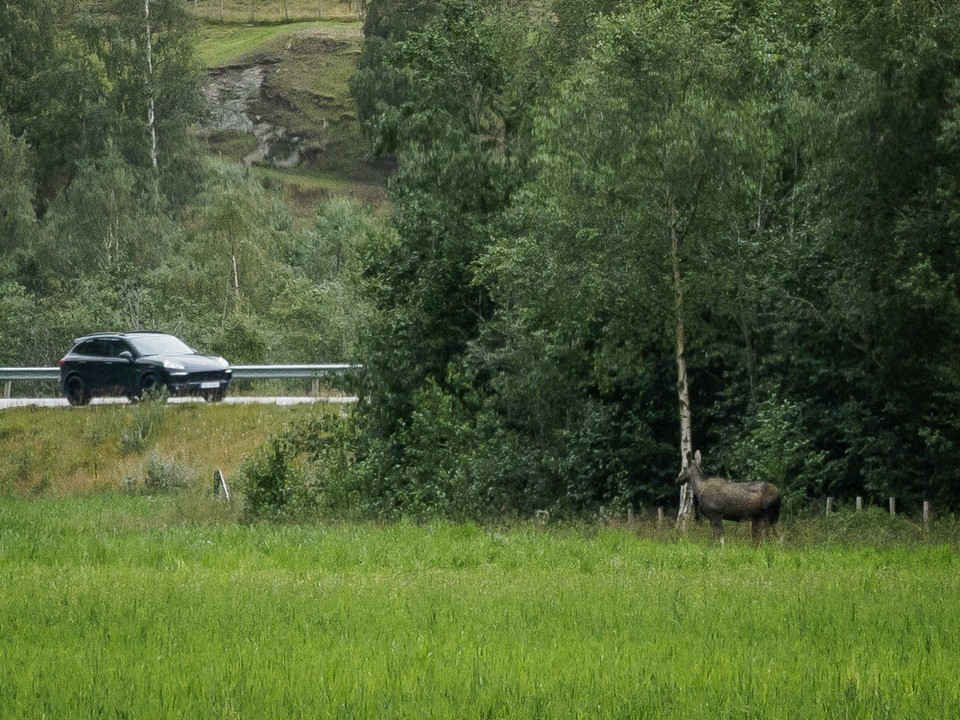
column 717, row 524
column 775, row 531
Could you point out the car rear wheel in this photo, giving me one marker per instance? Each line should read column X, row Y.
column 76, row 391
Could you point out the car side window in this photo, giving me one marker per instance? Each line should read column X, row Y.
column 113, row 348
column 88, row 348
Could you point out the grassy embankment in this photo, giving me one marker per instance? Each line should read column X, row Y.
column 68, row 452
column 111, row 610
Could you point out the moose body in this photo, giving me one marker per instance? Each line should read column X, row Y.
column 718, row 499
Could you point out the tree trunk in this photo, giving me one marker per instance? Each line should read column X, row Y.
column 150, row 106
column 683, row 388
column 236, row 275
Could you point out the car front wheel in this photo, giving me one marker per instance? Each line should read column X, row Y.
column 149, row 387
column 76, row 391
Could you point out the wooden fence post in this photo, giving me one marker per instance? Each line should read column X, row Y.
column 859, row 503
column 893, row 506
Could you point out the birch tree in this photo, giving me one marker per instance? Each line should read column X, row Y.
column 641, row 154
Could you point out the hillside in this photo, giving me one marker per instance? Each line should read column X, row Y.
column 280, row 102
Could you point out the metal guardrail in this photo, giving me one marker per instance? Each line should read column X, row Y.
column 29, row 373
column 270, row 372
column 240, row 372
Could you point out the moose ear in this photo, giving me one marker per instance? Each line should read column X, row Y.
column 698, row 458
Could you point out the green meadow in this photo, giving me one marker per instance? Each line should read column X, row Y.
column 130, row 606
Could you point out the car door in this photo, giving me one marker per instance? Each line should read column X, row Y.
column 115, row 370
column 128, row 372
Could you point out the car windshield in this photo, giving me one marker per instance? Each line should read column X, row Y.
column 160, row 345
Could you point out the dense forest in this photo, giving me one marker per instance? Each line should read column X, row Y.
column 606, row 217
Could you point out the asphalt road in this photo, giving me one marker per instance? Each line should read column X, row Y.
column 229, row 400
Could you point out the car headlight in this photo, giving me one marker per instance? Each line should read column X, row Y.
column 171, row 365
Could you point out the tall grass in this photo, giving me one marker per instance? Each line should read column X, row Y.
column 111, row 607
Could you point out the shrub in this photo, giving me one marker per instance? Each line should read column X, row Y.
column 160, row 476
column 300, row 472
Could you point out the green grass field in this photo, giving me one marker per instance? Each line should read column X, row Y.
column 116, row 606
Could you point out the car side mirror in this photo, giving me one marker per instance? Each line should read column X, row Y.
column 127, row 355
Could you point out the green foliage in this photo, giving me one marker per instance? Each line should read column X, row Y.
column 379, row 87
column 96, row 223
column 16, row 311
column 17, row 219
column 51, row 87
column 300, row 472
column 52, row 451
column 804, row 159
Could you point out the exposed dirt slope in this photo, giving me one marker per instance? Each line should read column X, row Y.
column 286, row 107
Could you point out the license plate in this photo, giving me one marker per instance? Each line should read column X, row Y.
column 209, row 385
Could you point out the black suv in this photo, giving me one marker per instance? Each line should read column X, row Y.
column 135, row 364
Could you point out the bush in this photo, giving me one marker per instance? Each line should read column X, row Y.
column 160, row 476
column 301, row 472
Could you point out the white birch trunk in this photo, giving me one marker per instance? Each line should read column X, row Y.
column 685, row 512
column 150, row 108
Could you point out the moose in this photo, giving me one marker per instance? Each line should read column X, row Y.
column 718, row 499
